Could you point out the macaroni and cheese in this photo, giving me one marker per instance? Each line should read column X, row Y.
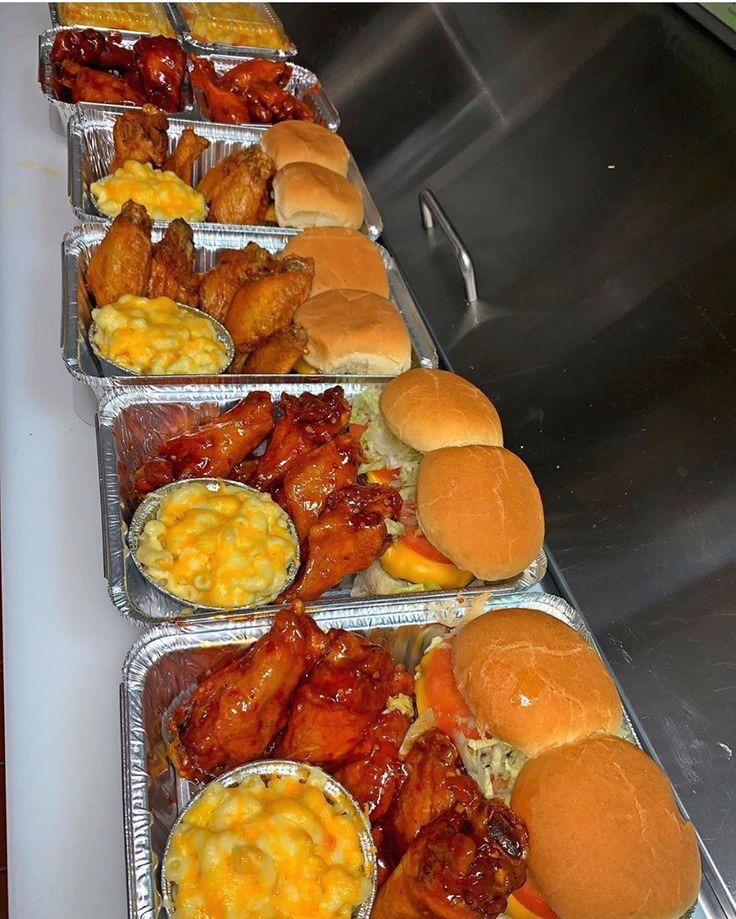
column 157, row 337
column 274, row 849
column 134, row 17
column 218, row 544
column 162, row 193
column 233, row 24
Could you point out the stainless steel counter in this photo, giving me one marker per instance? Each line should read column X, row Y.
column 585, row 153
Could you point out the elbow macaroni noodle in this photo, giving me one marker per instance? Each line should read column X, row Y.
column 162, row 193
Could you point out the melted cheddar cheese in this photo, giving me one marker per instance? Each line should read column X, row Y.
column 232, row 24
column 134, row 17
column 162, row 193
column 224, row 547
column 157, row 337
column 275, row 849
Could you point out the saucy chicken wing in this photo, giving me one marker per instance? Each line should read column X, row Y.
column 235, row 713
column 91, row 49
column 212, row 449
column 237, row 188
column 172, row 267
column 141, row 136
column 76, row 83
column 349, row 536
column 162, row 65
column 121, row 264
column 224, row 105
column 462, row 865
column 188, row 150
column 279, row 352
column 233, row 269
column 338, row 701
column 259, row 69
column 269, row 104
column 306, row 422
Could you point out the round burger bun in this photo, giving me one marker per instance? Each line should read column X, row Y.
column 533, row 681
column 342, row 259
column 480, row 507
column 605, row 835
column 353, row 331
column 306, row 195
column 429, row 409
column 305, row 142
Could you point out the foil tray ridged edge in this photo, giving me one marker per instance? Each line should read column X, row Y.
column 203, row 47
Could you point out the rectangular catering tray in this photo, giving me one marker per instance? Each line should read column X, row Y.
column 165, row 664
column 209, row 240
column 61, row 112
column 132, row 423
column 201, row 46
column 90, row 152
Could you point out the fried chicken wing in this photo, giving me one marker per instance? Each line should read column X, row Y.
column 349, row 536
column 162, row 65
column 140, row 136
column 76, row 83
column 225, row 106
column 236, row 712
column 259, row 69
column 212, row 449
column 269, row 104
column 121, row 264
column 172, row 268
column 237, row 188
column 188, row 150
column 267, row 303
column 279, row 352
column 338, row 701
column 315, row 476
column 462, row 865
column 235, row 266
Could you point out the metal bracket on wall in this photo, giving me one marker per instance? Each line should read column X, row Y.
column 432, row 210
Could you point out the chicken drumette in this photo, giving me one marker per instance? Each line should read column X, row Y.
column 172, row 267
column 237, row 189
column 121, row 263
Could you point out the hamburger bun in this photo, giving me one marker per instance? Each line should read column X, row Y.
column 354, row 331
column 532, row 681
column 305, row 142
column 429, row 409
column 479, row 506
column 342, row 259
column 605, row 835
column 307, row 195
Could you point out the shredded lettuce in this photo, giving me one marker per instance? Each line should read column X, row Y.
column 402, row 703
column 394, row 527
column 492, row 763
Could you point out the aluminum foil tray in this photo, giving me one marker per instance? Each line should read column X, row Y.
column 61, row 112
column 204, row 47
column 90, row 152
column 303, row 84
column 209, row 240
column 165, row 664
column 133, row 422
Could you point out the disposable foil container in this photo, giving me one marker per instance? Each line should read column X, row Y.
column 132, row 423
column 209, row 240
column 61, row 112
column 91, row 148
column 165, row 664
column 204, row 47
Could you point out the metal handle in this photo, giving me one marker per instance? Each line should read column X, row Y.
column 432, row 210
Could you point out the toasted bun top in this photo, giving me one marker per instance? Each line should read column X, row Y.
column 354, row 331
column 429, row 409
column 305, row 142
column 480, row 507
column 532, row 681
column 307, row 195
column 342, row 259
column 605, row 835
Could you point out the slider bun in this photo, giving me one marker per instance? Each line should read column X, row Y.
column 342, row 259
column 533, row 681
column 605, row 835
column 429, row 409
column 305, row 142
column 353, row 331
column 306, row 195
column 480, row 507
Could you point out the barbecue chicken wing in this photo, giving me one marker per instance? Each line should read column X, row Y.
column 279, row 352
column 188, row 150
column 435, row 781
column 237, row 188
column 307, row 421
column 76, row 83
column 212, row 449
column 349, row 536
column 257, row 70
column 462, row 865
column 338, row 701
column 233, row 269
column 172, row 268
column 315, row 475
column 121, row 263
column 269, row 104
column 162, row 65
column 141, row 136
column 225, row 106
column 235, row 713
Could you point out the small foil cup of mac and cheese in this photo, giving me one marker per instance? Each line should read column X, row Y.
column 138, row 336
column 214, row 544
column 271, row 838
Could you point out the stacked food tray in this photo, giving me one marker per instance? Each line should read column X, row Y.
column 184, row 641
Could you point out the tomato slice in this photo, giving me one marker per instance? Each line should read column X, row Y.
column 451, row 714
column 357, row 430
column 532, row 899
